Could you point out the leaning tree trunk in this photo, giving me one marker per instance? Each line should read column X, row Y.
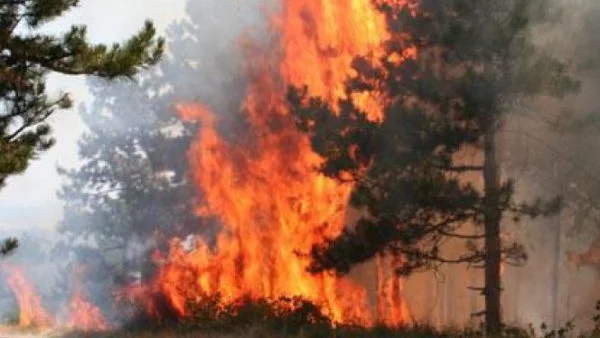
column 492, row 215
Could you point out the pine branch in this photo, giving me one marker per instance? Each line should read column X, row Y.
column 8, row 246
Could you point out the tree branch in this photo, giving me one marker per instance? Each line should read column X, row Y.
column 461, row 168
column 461, row 236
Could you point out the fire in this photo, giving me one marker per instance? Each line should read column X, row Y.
column 320, row 39
column 83, row 316
column 391, row 309
column 31, row 312
column 262, row 184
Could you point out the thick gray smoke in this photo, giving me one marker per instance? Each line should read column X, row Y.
column 131, row 190
column 552, row 149
column 155, row 199
column 549, row 150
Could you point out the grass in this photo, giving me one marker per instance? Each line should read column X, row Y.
column 260, row 331
column 293, row 318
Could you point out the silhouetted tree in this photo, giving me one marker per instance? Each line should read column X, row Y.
column 26, row 59
column 475, row 64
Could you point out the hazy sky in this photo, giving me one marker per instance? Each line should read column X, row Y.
column 29, row 200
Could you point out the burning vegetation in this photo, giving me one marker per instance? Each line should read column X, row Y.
column 80, row 314
column 262, row 187
column 349, row 156
column 261, row 184
column 31, row 311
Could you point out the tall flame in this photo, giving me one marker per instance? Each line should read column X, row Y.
column 83, row 315
column 31, row 311
column 262, row 184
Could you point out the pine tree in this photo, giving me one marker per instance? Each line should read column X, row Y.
column 134, row 181
column 27, row 55
column 475, row 63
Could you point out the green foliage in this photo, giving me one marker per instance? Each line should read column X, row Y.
column 475, row 63
column 8, row 245
column 133, row 184
column 25, row 60
column 562, row 332
column 262, row 318
column 415, row 172
column 285, row 315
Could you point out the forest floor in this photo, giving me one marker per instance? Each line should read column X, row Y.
column 250, row 332
column 254, row 330
column 257, row 332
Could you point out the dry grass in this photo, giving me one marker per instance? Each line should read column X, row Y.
column 257, row 332
column 250, row 333
column 260, row 332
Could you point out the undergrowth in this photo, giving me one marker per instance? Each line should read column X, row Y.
column 298, row 318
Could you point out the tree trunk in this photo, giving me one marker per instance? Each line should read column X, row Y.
column 557, row 255
column 492, row 216
column 472, row 298
column 380, row 261
column 556, row 274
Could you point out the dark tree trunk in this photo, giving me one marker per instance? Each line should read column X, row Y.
column 557, row 256
column 556, row 274
column 492, row 216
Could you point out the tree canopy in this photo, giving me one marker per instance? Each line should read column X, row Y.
column 133, row 186
column 419, row 171
column 27, row 55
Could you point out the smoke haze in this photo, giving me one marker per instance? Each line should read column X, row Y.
column 204, row 64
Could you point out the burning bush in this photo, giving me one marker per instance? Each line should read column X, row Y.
column 214, row 313
column 284, row 314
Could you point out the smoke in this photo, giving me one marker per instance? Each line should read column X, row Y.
column 203, row 63
column 550, row 149
column 34, row 250
column 131, row 191
column 117, row 222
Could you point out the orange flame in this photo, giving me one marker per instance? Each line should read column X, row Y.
column 83, row 316
column 31, row 311
column 262, row 185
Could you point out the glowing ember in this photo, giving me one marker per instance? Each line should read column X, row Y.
column 262, row 185
column 31, row 312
